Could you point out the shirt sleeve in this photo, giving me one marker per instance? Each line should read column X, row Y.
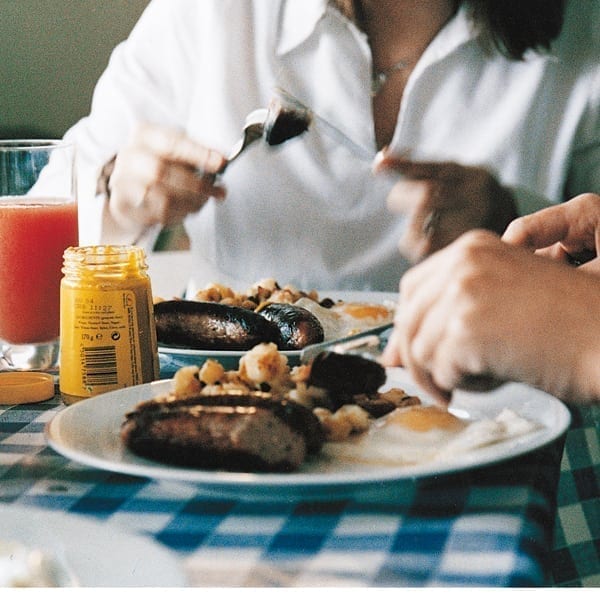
column 584, row 171
column 144, row 81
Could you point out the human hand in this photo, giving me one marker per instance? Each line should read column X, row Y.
column 481, row 312
column 155, row 178
column 442, row 201
column 568, row 232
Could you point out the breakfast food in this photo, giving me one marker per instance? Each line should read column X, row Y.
column 269, row 417
column 234, row 431
column 297, row 326
column 218, row 318
column 419, row 434
column 260, row 417
column 285, row 121
column 211, row 326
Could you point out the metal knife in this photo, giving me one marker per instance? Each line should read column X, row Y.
column 369, row 341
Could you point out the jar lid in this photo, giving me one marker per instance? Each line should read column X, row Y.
column 25, row 387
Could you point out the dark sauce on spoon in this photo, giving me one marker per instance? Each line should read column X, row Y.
column 285, row 123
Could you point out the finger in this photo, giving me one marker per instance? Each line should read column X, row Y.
column 409, row 195
column 418, row 294
column 538, row 230
column 436, row 352
column 383, row 159
column 592, row 266
column 167, row 205
column 391, row 356
column 554, row 252
column 576, row 224
column 183, row 179
column 415, row 169
column 406, row 329
column 175, row 145
column 423, row 377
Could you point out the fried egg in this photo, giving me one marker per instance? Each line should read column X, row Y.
column 419, row 434
column 348, row 318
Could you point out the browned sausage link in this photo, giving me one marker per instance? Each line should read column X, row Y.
column 211, row 326
column 237, row 432
column 298, row 327
column 346, row 373
column 297, row 416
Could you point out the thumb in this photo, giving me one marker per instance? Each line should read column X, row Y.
column 391, row 356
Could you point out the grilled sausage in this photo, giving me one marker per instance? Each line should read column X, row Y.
column 211, row 326
column 236, row 432
column 346, row 374
column 298, row 327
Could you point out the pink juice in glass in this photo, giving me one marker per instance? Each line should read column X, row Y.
column 33, row 237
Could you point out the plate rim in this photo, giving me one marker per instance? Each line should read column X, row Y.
column 262, row 484
column 65, row 529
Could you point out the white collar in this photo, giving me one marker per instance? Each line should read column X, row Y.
column 299, row 18
column 457, row 31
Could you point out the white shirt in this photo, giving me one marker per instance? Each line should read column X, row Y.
column 310, row 212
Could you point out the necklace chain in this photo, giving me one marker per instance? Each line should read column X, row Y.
column 379, row 78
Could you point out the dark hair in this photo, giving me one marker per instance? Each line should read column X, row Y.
column 514, row 26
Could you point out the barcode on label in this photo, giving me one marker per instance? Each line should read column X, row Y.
column 100, row 365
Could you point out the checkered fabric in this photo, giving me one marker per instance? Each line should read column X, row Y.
column 576, row 554
column 485, row 527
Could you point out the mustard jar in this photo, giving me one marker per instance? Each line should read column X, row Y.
column 107, row 329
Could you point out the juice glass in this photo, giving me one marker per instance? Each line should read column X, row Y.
column 38, row 221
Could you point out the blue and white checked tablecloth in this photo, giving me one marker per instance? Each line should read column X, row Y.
column 576, row 552
column 485, row 527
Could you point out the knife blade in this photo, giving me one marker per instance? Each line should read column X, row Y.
column 326, row 127
column 368, row 339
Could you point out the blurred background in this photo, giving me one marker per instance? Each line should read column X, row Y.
column 51, row 55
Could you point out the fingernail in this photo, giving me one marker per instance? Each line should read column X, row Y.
column 379, row 158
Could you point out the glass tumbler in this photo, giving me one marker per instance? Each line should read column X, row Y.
column 38, row 221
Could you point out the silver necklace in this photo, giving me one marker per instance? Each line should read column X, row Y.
column 379, row 78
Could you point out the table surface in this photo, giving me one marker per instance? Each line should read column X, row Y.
column 484, row 527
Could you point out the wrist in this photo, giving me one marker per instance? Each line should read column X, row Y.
column 103, row 183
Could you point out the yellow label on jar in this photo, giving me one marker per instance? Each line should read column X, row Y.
column 100, row 341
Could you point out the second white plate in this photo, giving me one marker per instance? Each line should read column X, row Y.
column 172, row 358
column 96, row 555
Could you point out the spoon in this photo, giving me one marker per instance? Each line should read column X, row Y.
column 276, row 124
column 253, row 130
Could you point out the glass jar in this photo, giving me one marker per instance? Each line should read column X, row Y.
column 107, row 329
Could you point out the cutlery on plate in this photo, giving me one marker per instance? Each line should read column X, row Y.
column 369, row 342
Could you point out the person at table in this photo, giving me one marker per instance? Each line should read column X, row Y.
column 486, row 309
column 493, row 107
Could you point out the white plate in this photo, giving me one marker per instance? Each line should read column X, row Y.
column 96, row 555
column 88, row 432
column 172, row 359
